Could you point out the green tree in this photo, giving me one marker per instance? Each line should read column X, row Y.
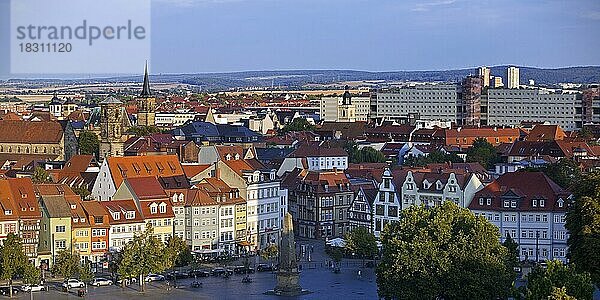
column 483, row 152
column 298, row 124
column 85, row 272
column 366, row 154
column 13, row 261
column 541, row 281
column 362, row 243
column 336, row 254
column 583, row 224
column 143, row 130
column 32, row 275
column 66, row 264
column 82, row 191
column 40, row 176
column 513, row 251
column 444, row 252
column 560, row 294
column 178, row 252
column 88, row 143
column 270, row 252
column 565, row 172
column 145, row 254
column 435, row 157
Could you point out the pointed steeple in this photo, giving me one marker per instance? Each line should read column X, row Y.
column 146, row 87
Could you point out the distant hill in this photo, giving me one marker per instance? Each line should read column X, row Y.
column 298, row 78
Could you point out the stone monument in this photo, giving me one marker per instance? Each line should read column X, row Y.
column 287, row 273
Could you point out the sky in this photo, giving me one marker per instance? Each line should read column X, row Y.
column 197, row 36
column 371, row 35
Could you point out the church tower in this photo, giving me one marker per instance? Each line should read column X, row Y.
column 111, row 127
column 346, row 110
column 146, row 103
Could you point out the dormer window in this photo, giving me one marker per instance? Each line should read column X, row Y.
column 513, row 204
column 506, row 203
column 489, row 201
column 153, row 209
column 181, row 197
column 228, row 156
column 116, row 215
column 163, row 208
column 130, row 215
column 73, row 206
column 534, row 203
column 237, row 156
column 82, row 220
column 481, row 201
column 438, row 186
column 561, row 203
column 174, row 198
column 542, row 202
column 75, row 220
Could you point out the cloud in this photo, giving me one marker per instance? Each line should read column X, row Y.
column 429, row 5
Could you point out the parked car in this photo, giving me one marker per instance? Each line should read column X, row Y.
column 129, row 280
column 154, row 277
column 73, row 283
column 221, row 272
column 175, row 275
column 243, row 270
column 32, row 288
column 5, row 290
column 198, row 273
column 101, row 281
column 264, row 268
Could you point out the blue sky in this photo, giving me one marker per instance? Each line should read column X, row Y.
column 375, row 35
column 190, row 36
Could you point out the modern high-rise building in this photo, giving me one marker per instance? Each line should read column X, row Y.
column 497, row 82
column 470, row 106
column 513, row 78
column 432, row 101
column 484, row 73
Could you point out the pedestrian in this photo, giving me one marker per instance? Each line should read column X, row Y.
column 359, row 273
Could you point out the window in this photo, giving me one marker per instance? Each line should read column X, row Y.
column 534, row 203
column 481, row 201
column 153, row 208
column 506, row 203
column 61, row 244
column 163, row 208
column 542, row 202
column 489, row 201
column 60, row 228
column 130, row 215
column 513, row 204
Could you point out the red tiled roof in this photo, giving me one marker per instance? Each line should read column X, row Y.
column 193, row 170
column 525, row 185
column 121, row 206
column 315, row 150
column 482, row 132
column 146, row 187
column 24, row 198
column 34, row 132
column 545, row 133
column 142, row 166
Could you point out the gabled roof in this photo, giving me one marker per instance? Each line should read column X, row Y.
column 7, row 204
column 193, row 170
column 143, row 166
column 542, row 132
column 21, row 193
column 526, row 186
column 57, row 206
column 146, row 187
column 30, row 132
column 121, row 206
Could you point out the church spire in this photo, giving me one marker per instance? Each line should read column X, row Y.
column 146, row 87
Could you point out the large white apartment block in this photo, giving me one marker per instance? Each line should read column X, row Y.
column 431, row 101
column 329, row 108
column 509, row 107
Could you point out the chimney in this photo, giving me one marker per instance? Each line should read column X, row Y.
column 335, row 170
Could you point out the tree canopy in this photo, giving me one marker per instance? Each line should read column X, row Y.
column 361, row 243
column 66, row 264
column 145, row 254
column 435, row 157
column 443, row 252
column 565, row 172
column 88, row 143
column 298, row 124
column 583, row 224
column 143, row 130
column 14, row 263
column 542, row 282
column 366, row 154
column 483, row 152
column 40, row 176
